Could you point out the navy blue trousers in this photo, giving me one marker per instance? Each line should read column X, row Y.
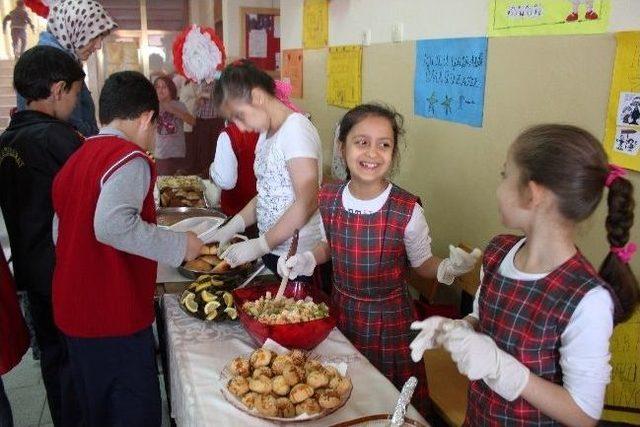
column 117, row 379
column 6, row 418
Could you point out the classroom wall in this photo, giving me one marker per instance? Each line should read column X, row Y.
column 231, row 22
column 455, row 168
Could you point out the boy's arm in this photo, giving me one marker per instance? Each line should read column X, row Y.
column 117, row 220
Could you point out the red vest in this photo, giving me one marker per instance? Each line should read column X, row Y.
column 98, row 291
column 14, row 337
column 244, row 147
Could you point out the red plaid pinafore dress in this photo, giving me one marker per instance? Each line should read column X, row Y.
column 526, row 319
column 370, row 269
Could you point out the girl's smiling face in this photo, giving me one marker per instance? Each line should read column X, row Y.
column 368, row 149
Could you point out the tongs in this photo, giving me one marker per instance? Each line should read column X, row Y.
column 292, row 251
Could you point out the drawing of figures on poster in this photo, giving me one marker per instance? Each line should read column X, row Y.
column 315, row 24
column 292, row 70
column 344, row 76
column 622, row 399
column 449, row 79
column 622, row 135
column 539, row 17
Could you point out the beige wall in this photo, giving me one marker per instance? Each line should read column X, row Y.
column 455, row 168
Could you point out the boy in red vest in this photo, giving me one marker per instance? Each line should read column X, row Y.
column 107, row 250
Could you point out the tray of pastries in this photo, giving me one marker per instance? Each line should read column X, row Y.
column 181, row 191
column 209, row 262
column 285, row 387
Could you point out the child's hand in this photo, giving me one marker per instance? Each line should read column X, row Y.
column 225, row 233
column 194, row 246
column 478, row 357
column 458, row 263
column 243, row 252
column 430, row 331
column 297, row 265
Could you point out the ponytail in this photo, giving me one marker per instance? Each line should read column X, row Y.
column 615, row 268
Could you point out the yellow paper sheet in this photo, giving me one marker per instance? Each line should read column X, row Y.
column 540, row 17
column 292, row 70
column 623, row 393
column 344, row 76
column 622, row 134
column 315, row 24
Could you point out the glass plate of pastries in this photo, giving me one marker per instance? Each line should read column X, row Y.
column 285, row 386
column 181, row 191
column 209, row 262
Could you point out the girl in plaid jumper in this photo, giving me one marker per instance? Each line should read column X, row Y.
column 536, row 346
column 374, row 232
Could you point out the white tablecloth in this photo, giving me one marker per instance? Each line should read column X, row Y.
column 198, row 351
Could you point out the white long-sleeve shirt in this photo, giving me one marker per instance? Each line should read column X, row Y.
column 224, row 169
column 584, row 344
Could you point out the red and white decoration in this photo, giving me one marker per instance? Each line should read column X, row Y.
column 198, row 54
column 39, row 7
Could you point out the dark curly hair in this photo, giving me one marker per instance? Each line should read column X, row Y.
column 572, row 163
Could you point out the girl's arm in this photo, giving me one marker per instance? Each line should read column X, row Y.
column 304, row 179
column 429, row 268
column 556, row 402
column 248, row 213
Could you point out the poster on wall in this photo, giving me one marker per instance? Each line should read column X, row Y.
column 315, row 24
column 261, row 44
column 292, row 70
column 540, row 17
column 622, row 399
column 344, row 76
column 449, row 79
column 622, row 134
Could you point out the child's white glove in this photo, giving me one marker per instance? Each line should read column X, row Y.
column 458, row 263
column 430, row 329
column 226, row 232
column 243, row 252
column 297, row 265
column 478, row 357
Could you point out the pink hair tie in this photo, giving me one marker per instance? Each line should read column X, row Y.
column 283, row 90
column 625, row 253
column 615, row 172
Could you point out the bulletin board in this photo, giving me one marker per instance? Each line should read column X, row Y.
column 260, row 31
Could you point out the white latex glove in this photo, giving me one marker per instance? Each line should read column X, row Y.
column 478, row 357
column 458, row 263
column 242, row 252
column 297, row 265
column 430, row 329
column 225, row 233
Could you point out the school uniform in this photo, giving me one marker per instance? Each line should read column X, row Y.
column 104, row 281
column 370, row 290
column 557, row 324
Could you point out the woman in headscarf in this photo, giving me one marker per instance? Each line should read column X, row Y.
column 78, row 27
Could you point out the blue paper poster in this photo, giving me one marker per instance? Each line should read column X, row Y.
column 449, row 79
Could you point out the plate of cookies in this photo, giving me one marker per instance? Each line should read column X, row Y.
column 285, row 386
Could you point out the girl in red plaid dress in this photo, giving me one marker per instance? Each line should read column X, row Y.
column 536, row 346
column 374, row 233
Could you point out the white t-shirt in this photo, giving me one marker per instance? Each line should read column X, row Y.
column 296, row 138
column 584, row 344
column 417, row 240
column 224, row 169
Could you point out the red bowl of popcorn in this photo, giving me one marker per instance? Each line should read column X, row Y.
column 301, row 319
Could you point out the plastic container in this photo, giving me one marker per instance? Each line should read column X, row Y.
column 303, row 335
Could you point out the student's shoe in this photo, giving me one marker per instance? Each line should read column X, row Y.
column 572, row 17
column 591, row 15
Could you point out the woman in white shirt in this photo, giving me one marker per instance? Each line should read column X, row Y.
column 287, row 167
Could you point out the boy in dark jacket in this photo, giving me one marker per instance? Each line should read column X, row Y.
column 33, row 148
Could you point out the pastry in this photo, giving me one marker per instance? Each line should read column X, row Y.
column 286, row 409
column 317, row 378
column 309, row 406
column 261, row 357
column 261, row 385
column 328, row 399
column 249, row 399
column 222, row 267
column 298, row 357
column 197, row 265
column 340, row 384
column 280, row 362
column 263, row 370
column 266, row 405
column 293, row 374
column 240, row 366
column 238, row 385
column 280, row 386
column 300, row 392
